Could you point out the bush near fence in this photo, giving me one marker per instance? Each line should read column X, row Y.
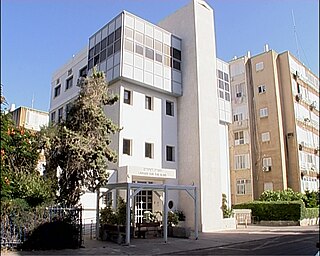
column 275, row 211
column 41, row 227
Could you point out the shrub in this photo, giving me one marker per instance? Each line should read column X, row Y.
column 311, row 199
column 280, row 210
column 281, row 195
column 311, row 213
column 180, row 214
column 173, row 218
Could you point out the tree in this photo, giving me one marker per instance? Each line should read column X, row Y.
column 79, row 145
column 19, row 158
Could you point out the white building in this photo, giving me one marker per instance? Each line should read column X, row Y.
column 174, row 123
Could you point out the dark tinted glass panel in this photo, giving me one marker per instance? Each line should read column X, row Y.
column 139, row 49
column 91, row 51
column 90, row 64
column 103, row 55
column 117, row 46
column 149, row 53
column 110, row 50
column 96, row 60
column 176, row 53
column 176, row 65
column 97, row 49
column 117, row 34
column 103, row 43
column 110, row 38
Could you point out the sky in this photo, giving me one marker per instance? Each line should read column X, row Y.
column 39, row 36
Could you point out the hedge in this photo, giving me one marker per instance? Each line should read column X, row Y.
column 311, row 213
column 280, row 210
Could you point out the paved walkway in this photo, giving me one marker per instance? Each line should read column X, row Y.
column 175, row 245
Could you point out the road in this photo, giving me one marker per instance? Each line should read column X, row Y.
column 290, row 243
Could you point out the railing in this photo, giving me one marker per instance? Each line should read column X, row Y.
column 16, row 228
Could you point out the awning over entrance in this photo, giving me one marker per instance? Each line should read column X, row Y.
column 132, row 189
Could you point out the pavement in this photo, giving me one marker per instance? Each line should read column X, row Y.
column 174, row 246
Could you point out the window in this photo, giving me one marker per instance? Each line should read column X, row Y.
column 126, row 147
column 158, row 45
column 243, row 187
column 265, row 136
column 261, row 89
column 69, row 83
column 103, row 44
column 70, row 72
column 227, row 96
column 148, row 102
column 226, row 77
column 238, row 117
column 241, row 162
column 108, row 198
column 68, row 107
column 259, row 66
column 57, row 91
column 158, row 57
column 127, row 97
column 149, row 41
column 239, row 138
column 263, row 112
column 149, row 53
column 176, row 54
column 117, row 46
column 53, row 117
column 239, row 90
column 139, row 49
column 169, row 108
column 60, row 113
column 176, row 65
column 170, row 153
column 266, row 164
column 148, row 150
column 220, row 74
column 221, row 94
column 83, row 72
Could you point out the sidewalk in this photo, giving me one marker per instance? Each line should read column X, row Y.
column 174, row 245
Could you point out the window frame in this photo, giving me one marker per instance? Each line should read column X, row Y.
column 69, row 83
column 169, row 108
column 148, row 152
column 170, row 157
column 148, row 102
column 127, row 149
column 57, row 91
column 127, row 100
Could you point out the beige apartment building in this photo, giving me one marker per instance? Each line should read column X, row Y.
column 274, row 135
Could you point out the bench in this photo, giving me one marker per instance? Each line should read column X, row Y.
column 150, row 230
column 242, row 216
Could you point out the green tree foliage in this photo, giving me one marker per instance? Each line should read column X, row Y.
column 311, row 199
column 80, row 144
column 19, row 157
column 282, row 195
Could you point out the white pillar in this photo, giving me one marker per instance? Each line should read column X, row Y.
column 165, row 215
column 128, row 215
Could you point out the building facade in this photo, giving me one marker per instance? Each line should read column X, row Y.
column 274, row 137
column 169, row 109
column 31, row 119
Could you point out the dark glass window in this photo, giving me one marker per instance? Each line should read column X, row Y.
column 117, row 46
column 110, row 38
column 176, row 65
column 226, row 77
column 170, row 153
column 90, row 64
column 57, row 91
column 69, row 83
column 149, row 53
column 148, row 103
column 103, row 55
column 53, row 116
column 96, row 60
column 117, row 34
column 176, row 54
column 60, row 113
column 91, row 53
column 158, row 57
column 148, row 152
column 126, row 147
column 83, row 72
column 103, row 44
column 127, row 97
column 97, row 49
column 110, row 50
column 139, row 49
column 220, row 74
column 169, row 108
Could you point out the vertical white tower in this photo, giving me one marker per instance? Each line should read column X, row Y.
column 198, row 111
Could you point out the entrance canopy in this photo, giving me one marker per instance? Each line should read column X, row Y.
column 132, row 189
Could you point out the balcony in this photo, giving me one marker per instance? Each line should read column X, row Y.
column 240, row 125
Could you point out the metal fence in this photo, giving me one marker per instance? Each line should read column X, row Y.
column 16, row 227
